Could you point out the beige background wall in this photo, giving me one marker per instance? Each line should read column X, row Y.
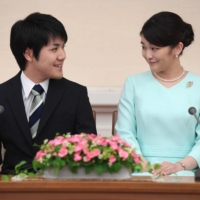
column 104, row 43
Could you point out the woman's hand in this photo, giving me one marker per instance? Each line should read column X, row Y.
column 167, row 168
column 144, row 163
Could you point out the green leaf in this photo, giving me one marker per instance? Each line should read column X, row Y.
column 5, row 178
column 36, row 165
column 157, row 166
column 57, row 162
column 105, row 167
column 73, row 167
column 31, row 174
column 22, row 175
column 137, row 168
column 89, row 168
column 117, row 166
column 98, row 168
column 149, row 168
column 128, row 164
column 18, row 166
column 56, row 170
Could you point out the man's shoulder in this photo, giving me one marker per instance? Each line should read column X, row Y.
column 68, row 82
column 67, row 85
column 12, row 81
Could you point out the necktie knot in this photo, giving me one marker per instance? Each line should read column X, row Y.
column 37, row 90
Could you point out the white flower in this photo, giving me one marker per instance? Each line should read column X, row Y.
column 109, row 164
column 70, row 152
column 45, row 141
column 48, row 156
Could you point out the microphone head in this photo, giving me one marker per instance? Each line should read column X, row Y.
column 192, row 110
column 1, row 109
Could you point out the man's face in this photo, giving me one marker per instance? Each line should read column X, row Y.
column 49, row 63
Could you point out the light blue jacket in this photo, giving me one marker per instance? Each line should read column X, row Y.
column 155, row 119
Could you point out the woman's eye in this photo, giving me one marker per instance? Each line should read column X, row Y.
column 155, row 48
column 54, row 49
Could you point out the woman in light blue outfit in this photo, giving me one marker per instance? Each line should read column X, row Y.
column 153, row 109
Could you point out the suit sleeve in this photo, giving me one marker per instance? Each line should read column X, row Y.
column 126, row 125
column 0, row 153
column 84, row 118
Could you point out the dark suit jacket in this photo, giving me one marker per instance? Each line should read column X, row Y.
column 67, row 109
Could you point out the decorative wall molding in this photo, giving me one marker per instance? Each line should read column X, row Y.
column 104, row 95
column 104, row 101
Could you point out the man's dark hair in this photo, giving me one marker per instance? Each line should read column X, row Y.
column 34, row 32
column 167, row 29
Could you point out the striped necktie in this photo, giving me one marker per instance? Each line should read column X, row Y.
column 36, row 109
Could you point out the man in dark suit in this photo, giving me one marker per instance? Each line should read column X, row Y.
column 37, row 43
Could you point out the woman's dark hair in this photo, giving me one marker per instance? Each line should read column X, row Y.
column 34, row 32
column 167, row 29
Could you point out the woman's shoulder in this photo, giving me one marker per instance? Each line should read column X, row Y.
column 140, row 76
column 193, row 75
column 194, row 78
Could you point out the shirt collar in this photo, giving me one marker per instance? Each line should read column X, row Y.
column 27, row 84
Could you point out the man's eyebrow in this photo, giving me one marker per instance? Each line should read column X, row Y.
column 141, row 42
column 56, row 44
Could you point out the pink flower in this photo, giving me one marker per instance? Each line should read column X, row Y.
column 126, row 144
column 40, row 155
column 112, row 159
column 74, row 139
column 116, row 138
column 135, row 157
column 91, row 154
column 77, row 157
column 51, row 142
column 58, row 140
column 87, row 158
column 103, row 142
column 137, row 160
column 123, row 154
column 52, row 147
column 78, row 148
column 63, row 152
column 113, row 145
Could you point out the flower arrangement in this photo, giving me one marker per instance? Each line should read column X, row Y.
column 93, row 152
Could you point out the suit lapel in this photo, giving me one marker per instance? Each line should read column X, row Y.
column 14, row 96
column 54, row 94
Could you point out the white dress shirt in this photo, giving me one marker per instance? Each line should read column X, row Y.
column 27, row 86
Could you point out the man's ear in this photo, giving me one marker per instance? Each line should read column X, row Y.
column 28, row 54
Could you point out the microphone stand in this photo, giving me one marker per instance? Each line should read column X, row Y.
column 192, row 111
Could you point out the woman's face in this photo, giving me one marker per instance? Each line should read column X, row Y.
column 158, row 58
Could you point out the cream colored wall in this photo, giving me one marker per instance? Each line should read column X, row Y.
column 104, row 43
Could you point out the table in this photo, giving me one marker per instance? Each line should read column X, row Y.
column 137, row 188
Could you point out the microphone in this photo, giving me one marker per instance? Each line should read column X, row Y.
column 1, row 109
column 193, row 111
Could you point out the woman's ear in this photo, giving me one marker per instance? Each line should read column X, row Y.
column 178, row 49
column 28, row 54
